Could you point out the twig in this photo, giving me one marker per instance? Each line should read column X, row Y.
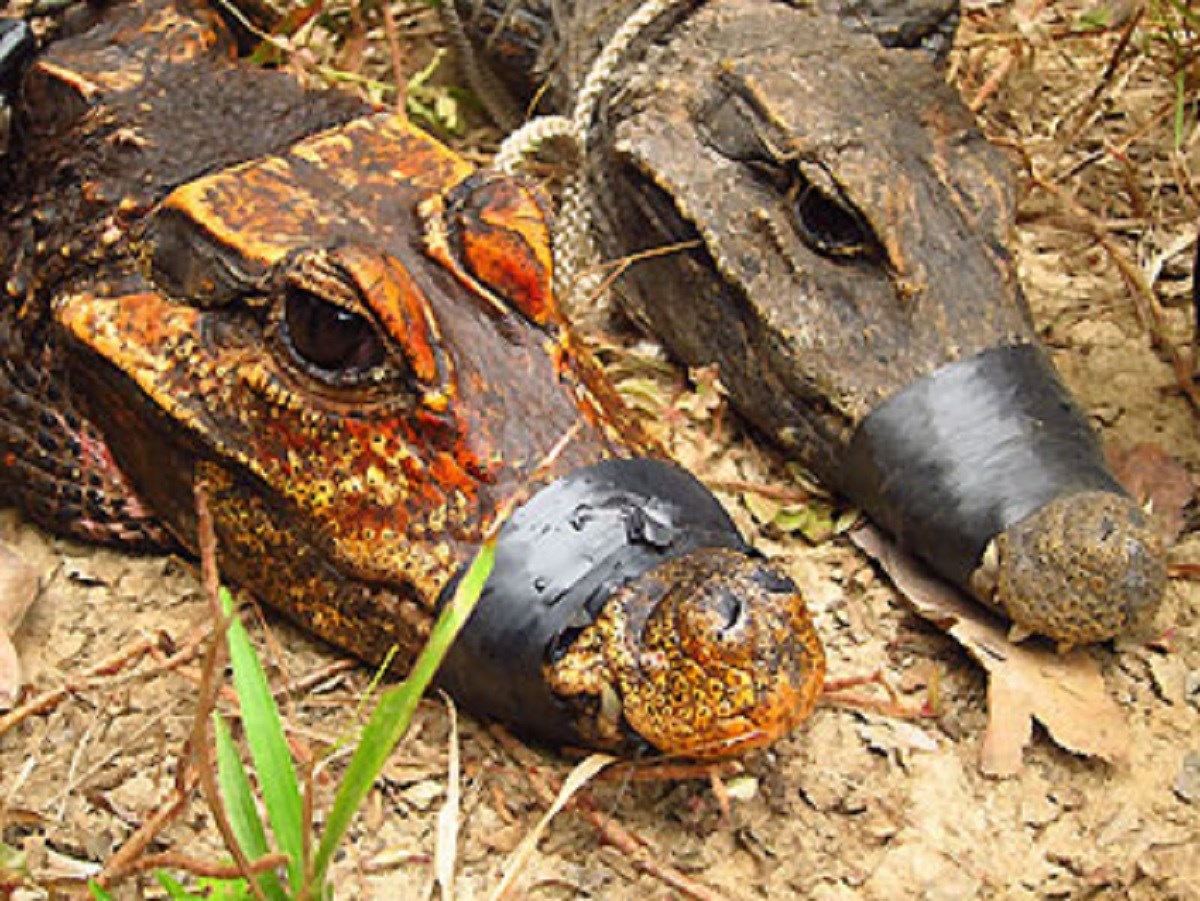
column 126, row 858
column 172, row 860
column 317, row 677
column 1149, row 310
column 1012, row 53
column 834, row 694
column 397, row 54
column 201, row 750
column 96, row 677
column 989, row 87
column 629, row 844
column 786, row 493
column 1105, row 81
column 1190, row 571
column 621, row 265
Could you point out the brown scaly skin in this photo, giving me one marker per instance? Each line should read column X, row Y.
column 854, row 232
column 323, row 314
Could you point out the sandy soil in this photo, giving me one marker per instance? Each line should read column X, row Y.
column 856, row 804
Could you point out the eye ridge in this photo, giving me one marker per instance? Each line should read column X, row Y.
column 329, row 341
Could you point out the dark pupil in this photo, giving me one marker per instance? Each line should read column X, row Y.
column 329, row 337
column 826, row 224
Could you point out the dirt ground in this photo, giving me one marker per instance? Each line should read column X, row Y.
column 856, row 804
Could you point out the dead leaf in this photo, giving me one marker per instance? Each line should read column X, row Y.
column 1064, row 692
column 583, row 773
column 18, row 588
column 1149, row 473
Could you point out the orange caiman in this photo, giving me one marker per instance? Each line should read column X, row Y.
column 349, row 335
column 844, row 254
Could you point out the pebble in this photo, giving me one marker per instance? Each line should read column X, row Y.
column 1191, row 688
column 1187, row 780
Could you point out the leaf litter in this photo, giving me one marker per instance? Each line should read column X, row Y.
column 18, row 590
column 1029, row 681
column 927, row 828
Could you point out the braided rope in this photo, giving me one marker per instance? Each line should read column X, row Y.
column 573, row 244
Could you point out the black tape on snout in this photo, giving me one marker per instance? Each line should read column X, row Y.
column 955, row 458
column 558, row 560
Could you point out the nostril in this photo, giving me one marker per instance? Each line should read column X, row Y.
column 774, row 582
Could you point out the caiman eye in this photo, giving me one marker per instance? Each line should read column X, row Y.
column 323, row 336
column 827, row 225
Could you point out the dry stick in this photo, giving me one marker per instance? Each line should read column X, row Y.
column 1013, row 52
column 1118, row 150
column 834, row 694
column 661, row 772
column 393, row 40
column 621, row 265
column 1190, row 571
column 201, row 750
column 1149, row 310
column 786, row 493
column 92, row 678
column 632, row 846
column 304, row 684
column 989, row 87
column 1105, row 81
column 172, row 860
column 124, row 860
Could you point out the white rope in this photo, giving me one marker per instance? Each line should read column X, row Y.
column 573, row 244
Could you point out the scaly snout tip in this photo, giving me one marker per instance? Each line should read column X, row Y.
column 1086, row 567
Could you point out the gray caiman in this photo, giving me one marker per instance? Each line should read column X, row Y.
column 212, row 273
column 843, row 237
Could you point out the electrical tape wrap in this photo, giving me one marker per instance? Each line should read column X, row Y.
column 559, row 558
column 957, row 457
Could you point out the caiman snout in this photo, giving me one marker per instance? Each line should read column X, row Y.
column 719, row 654
column 1083, row 568
column 988, row 470
column 625, row 611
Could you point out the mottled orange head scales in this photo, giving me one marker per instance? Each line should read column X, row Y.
column 330, row 294
column 348, row 334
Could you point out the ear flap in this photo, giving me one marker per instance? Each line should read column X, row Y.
column 913, row 24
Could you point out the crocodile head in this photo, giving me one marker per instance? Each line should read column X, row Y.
column 841, row 232
column 351, row 341
column 858, row 224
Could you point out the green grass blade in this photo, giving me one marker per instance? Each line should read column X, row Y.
column 97, row 893
column 174, row 888
column 268, row 748
column 240, row 807
column 392, row 715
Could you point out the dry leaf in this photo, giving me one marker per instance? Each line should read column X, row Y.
column 1064, row 692
column 446, row 848
column 18, row 588
column 583, row 773
column 1149, row 473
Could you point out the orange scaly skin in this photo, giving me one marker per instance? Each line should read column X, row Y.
column 332, row 320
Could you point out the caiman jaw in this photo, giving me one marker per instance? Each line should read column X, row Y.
column 726, row 660
column 988, row 470
column 625, row 611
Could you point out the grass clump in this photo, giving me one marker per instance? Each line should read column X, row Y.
column 283, row 858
